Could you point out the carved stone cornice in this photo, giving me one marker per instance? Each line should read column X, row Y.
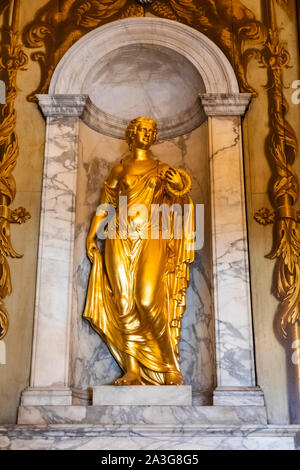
column 225, row 104
column 113, row 126
column 62, row 105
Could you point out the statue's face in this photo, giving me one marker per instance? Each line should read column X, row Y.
column 145, row 135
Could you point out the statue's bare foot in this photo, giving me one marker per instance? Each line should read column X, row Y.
column 174, row 378
column 130, row 378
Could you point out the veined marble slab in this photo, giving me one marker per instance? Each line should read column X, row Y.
column 147, row 415
column 163, row 395
column 162, row 437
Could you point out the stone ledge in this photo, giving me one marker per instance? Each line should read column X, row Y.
column 164, row 395
column 284, row 430
column 62, row 106
column 142, row 415
column 189, row 437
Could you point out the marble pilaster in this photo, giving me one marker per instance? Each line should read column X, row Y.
column 231, row 287
column 49, row 384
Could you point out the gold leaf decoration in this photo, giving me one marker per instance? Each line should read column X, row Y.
column 12, row 59
column 4, row 320
column 265, row 216
column 163, row 10
column 134, row 10
column 56, row 28
column 281, row 148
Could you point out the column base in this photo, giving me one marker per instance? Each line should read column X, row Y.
column 238, row 396
column 164, row 395
column 46, row 396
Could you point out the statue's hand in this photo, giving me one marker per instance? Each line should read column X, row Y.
column 173, row 177
column 91, row 247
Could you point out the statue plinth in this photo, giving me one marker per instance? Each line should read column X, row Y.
column 135, row 395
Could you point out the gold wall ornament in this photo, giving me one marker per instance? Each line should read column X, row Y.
column 231, row 25
column 136, row 294
column 284, row 192
column 4, row 320
column 12, row 59
column 58, row 25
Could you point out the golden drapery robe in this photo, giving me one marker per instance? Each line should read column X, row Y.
column 136, row 299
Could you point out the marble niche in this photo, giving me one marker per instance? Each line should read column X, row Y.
column 168, row 71
column 92, row 363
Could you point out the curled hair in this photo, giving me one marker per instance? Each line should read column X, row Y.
column 132, row 128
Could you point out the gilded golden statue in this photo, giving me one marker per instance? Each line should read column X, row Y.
column 136, row 295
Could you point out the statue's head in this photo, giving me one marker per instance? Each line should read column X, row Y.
column 141, row 132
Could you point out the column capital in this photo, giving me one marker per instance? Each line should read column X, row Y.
column 225, row 104
column 62, row 105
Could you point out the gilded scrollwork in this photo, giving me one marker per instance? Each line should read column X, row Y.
column 230, row 24
column 284, row 187
column 57, row 26
column 265, row 216
column 12, row 59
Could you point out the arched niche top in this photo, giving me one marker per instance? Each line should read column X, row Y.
column 197, row 56
column 74, row 69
